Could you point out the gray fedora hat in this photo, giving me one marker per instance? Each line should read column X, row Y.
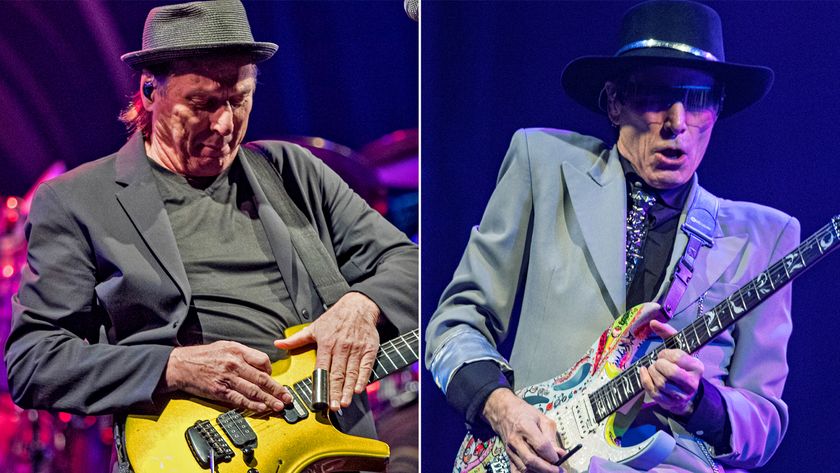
column 668, row 32
column 195, row 29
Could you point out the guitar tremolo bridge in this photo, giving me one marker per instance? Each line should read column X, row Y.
column 207, row 444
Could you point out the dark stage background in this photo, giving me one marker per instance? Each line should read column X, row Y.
column 492, row 67
column 345, row 71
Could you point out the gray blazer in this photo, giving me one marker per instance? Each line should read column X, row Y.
column 105, row 291
column 554, row 230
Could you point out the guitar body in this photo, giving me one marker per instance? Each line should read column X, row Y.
column 564, row 400
column 312, row 444
column 595, row 402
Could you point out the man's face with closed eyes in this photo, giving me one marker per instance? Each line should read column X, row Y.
column 200, row 115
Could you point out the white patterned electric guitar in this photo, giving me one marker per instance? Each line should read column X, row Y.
column 591, row 401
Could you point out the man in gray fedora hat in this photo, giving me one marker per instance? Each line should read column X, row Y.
column 582, row 231
column 174, row 264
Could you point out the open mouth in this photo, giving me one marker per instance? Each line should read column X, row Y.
column 671, row 153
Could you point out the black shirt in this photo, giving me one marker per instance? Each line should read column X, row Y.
column 663, row 219
column 472, row 384
column 238, row 292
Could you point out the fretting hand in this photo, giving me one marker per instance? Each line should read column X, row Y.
column 347, row 345
column 672, row 380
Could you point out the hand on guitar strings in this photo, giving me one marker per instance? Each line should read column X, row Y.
column 225, row 371
column 530, row 437
column 347, row 345
column 672, row 381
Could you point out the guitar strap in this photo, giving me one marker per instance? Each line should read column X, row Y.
column 699, row 226
column 322, row 269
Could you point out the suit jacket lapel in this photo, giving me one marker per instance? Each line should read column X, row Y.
column 599, row 201
column 141, row 200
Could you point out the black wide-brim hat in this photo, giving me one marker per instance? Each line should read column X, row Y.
column 673, row 33
column 188, row 30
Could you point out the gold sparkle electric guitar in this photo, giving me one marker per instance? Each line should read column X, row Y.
column 196, row 435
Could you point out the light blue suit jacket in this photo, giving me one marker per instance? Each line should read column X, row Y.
column 554, row 229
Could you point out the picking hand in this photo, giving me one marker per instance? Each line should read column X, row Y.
column 347, row 345
column 226, row 371
column 530, row 437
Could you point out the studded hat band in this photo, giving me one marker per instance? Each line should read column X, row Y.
column 655, row 43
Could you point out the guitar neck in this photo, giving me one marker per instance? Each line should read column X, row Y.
column 393, row 355
column 396, row 354
column 618, row 391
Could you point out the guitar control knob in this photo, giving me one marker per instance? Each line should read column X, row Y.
column 253, row 470
column 248, row 457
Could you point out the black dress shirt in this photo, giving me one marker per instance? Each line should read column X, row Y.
column 709, row 416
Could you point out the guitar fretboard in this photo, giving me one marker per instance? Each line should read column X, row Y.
column 396, row 354
column 393, row 355
column 618, row 391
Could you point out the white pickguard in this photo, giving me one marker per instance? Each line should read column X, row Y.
column 565, row 399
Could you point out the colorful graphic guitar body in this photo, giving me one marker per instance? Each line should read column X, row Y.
column 594, row 402
column 564, row 399
column 195, row 435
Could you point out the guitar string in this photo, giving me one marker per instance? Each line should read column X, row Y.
column 390, row 347
column 749, row 295
column 628, row 376
column 604, row 393
column 306, row 384
column 301, row 389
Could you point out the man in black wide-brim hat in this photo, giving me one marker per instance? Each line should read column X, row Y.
column 187, row 253
column 584, row 232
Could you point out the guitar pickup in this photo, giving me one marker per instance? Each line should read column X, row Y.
column 296, row 411
column 238, row 430
column 205, row 443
